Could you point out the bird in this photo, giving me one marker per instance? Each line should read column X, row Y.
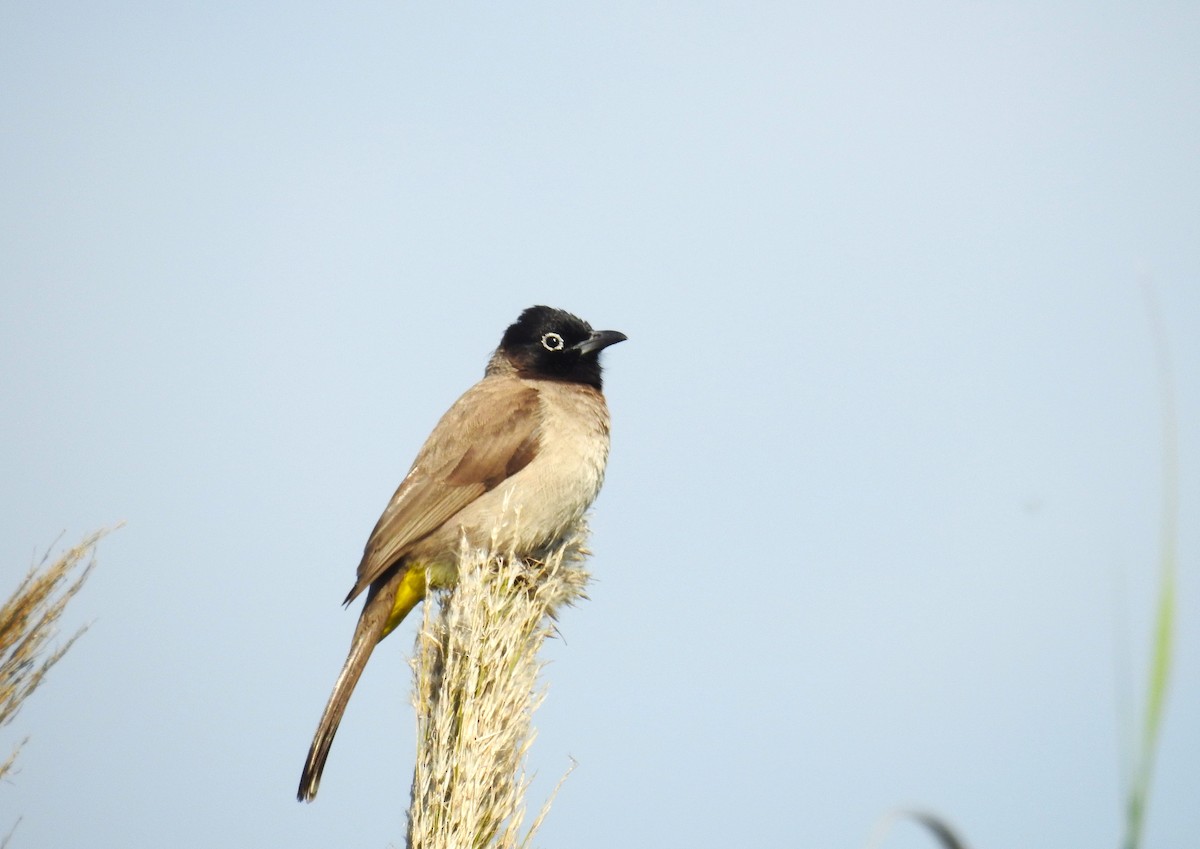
column 514, row 463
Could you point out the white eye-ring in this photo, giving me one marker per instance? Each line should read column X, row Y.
column 552, row 342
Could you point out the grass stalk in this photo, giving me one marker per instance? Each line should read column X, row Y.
column 1141, row 767
column 28, row 622
column 476, row 689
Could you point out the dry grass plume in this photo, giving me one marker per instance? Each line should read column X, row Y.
column 476, row 688
column 28, row 622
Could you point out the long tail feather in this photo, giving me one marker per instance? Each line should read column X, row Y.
column 368, row 632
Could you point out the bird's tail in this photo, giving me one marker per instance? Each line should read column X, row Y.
column 367, row 633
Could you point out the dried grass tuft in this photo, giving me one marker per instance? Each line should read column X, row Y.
column 28, row 622
column 476, row 689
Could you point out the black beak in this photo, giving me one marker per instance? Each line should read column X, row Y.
column 599, row 340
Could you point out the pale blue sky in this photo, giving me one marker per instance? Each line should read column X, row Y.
column 882, row 515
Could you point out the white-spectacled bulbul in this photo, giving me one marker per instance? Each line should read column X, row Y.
column 521, row 454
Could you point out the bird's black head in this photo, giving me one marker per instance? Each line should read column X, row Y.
column 552, row 344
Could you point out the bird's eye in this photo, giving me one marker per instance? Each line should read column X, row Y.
column 552, row 342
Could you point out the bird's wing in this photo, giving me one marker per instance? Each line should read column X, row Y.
column 488, row 435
